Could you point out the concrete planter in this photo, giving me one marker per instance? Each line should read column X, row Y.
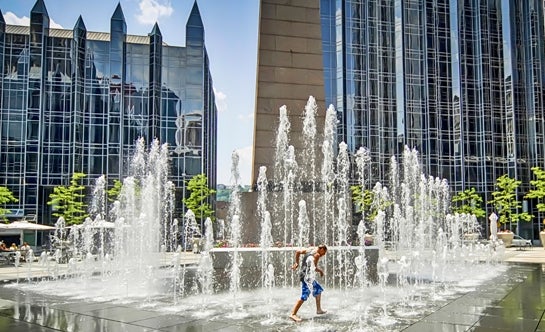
column 196, row 244
column 369, row 239
column 542, row 238
column 507, row 238
column 471, row 237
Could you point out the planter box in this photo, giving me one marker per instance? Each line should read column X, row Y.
column 471, row 237
column 542, row 238
column 368, row 239
column 507, row 238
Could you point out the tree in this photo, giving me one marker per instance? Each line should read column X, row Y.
column 6, row 196
column 368, row 202
column 469, row 202
column 539, row 191
column 113, row 193
column 67, row 201
column 197, row 200
column 363, row 201
column 505, row 201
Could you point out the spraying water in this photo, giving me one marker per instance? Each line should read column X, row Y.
column 415, row 239
column 309, row 156
column 206, row 268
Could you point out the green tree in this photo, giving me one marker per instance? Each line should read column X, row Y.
column 197, row 200
column 6, row 196
column 363, row 199
column 469, row 202
column 539, row 191
column 505, row 201
column 68, row 201
column 368, row 203
column 113, row 193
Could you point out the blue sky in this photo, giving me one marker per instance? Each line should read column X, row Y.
column 231, row 41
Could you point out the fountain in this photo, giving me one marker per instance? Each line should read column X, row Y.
column 419, row 258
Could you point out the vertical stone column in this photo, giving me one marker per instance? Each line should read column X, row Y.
column 290, row 69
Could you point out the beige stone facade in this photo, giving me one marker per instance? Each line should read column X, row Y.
column 290, row 69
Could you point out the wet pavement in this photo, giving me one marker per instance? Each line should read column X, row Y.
column 513, row 301
column 38, row 270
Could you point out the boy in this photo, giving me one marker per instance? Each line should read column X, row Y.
column 308, row 283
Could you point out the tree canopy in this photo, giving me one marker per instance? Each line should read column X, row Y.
column 6, row 196
column 67, row 201
column 505, row 201
column 113, row 193
column 469, row 202
column 538, row 192
column 197, row 200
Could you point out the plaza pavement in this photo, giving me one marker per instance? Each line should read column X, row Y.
column 37, row 270
column 525, row 255
column 514, row 303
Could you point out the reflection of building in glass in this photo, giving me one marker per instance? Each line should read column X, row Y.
column 76, row 101
column 460, row 81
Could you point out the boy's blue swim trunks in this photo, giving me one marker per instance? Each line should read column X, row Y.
column 316, row 290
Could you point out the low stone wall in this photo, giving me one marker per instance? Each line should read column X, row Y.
column 339, row 266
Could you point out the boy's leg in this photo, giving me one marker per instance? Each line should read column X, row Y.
column 319, row 310
column 318, row 296
column 305, row 292
column 296, row 307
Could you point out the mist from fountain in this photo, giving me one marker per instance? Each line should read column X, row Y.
column 205, row 270
column 98, row 202
column 415, row 237
column 309, row 155
column 235, row 233
column 280, row 175
column 121, row 258
column 360, row 262
column 303, row 225
column 266, row 239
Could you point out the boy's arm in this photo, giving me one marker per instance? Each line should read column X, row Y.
column 317, row 269
column 297, row 254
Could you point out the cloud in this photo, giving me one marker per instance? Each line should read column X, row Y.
column 246, row 117
column 54, row 25
column 221, row 100
column 152, row 10
column 13, row 19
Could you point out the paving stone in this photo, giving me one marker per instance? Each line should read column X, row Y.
column 511, row 302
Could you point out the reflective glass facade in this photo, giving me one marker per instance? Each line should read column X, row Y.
column 462, row 81
column 76, row 101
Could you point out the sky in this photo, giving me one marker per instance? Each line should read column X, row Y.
column 231, row 33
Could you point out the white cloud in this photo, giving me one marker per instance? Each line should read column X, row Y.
column 55, row 25
column 13, row 19
column 246, row 117
column 152, row 10
column 221, row 100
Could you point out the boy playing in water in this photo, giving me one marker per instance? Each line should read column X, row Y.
column 308, row 282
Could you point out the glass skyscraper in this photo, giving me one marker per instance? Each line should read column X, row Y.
column 462, row 81
column 77, row 101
